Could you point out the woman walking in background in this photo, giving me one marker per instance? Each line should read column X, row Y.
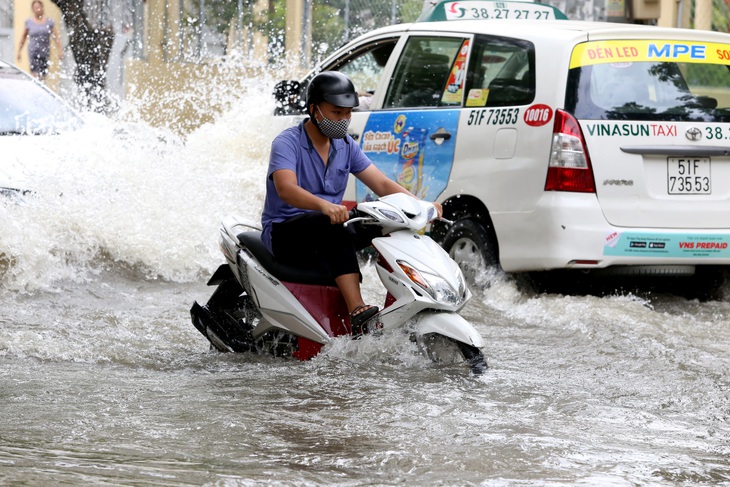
column 40, row 29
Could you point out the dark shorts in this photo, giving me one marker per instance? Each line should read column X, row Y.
column 311, row 241
column 39, row 63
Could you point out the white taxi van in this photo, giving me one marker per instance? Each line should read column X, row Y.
column 553, row 144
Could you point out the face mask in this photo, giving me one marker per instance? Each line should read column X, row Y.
column 330, row 128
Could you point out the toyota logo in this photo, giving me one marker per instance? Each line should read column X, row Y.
column 693, row 133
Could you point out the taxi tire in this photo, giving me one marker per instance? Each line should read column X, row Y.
column 471, row 246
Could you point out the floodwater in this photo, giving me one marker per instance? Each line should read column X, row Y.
column 104, row 380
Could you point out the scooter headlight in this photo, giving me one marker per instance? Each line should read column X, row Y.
column 436, row 287
column 441, row 290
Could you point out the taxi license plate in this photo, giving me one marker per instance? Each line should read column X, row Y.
column 688, row 175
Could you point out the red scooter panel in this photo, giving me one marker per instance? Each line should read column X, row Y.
column 327, row 306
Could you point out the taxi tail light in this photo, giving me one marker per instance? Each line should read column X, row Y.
column 570, row 166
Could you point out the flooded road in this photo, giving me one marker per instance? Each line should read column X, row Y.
column 104, row 380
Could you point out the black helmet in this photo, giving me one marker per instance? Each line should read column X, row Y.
column 334, row 87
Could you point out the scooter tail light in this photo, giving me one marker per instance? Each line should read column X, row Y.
column 225, row 252
column 570, row 167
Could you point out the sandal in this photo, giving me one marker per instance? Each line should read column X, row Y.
column 360, row 316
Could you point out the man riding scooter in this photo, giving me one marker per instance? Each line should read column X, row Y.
column 308, row 171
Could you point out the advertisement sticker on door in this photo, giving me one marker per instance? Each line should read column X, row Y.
column 414, row 148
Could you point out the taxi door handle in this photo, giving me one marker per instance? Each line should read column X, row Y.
column 440, row 136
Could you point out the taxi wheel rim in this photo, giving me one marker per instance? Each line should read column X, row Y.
column 467, row 254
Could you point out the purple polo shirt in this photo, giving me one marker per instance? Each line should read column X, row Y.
column 293, row 150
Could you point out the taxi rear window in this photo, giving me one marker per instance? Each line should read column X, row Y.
column 624, row 82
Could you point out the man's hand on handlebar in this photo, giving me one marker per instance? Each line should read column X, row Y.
column 336, row 213
column 439, row 209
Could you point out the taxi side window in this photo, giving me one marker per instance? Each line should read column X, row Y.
column 501, row 73
column 365, row 68
column 422, row 72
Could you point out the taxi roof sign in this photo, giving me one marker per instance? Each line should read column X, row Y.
column 490, row 10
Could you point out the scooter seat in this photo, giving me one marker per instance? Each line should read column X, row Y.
column 300, row 275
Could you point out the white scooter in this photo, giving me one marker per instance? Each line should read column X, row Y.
column 264, row 306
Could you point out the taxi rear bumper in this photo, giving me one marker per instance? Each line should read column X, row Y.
column 569, row 231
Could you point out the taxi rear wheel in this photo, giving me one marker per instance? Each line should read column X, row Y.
column 471, row 246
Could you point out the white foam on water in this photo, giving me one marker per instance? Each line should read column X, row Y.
column 130, row 195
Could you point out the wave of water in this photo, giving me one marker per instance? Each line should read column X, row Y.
column 132, row 196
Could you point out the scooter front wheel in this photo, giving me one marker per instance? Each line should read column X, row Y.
column 443, row 349
column 474, row 357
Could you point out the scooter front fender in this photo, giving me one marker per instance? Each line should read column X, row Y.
column 450, row 325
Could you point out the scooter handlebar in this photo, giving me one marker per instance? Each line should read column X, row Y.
column 355, row 216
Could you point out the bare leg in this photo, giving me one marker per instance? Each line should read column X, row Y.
column 349, row 285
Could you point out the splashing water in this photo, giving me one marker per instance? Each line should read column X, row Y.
column 105, row 380
column 128, row 195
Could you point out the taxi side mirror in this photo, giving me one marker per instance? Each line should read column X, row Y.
column 288, row 96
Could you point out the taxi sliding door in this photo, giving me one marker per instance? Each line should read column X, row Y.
column 503, row 133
